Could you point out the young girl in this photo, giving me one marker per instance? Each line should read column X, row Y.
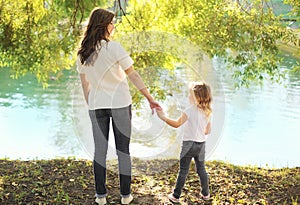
column 196, row 120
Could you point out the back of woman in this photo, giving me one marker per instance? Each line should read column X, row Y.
column 103, row 66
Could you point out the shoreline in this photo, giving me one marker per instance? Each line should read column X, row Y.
column 268, row 166
column 70, row 181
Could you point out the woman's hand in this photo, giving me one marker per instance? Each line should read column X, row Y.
column 136, row 79
column 154, row 105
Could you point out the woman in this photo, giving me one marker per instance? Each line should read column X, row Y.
column 103, row 65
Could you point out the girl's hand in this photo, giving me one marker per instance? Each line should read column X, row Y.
column 161, row 114
column 154, row 105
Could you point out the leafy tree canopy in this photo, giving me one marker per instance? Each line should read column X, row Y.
column 244, row 34
column 41, row 37
column 296, row 7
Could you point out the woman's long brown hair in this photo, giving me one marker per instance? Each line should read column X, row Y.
column 95, row 31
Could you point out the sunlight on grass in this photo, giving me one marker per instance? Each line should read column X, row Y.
column 64, row 181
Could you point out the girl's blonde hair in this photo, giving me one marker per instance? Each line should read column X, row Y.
column 202, row 96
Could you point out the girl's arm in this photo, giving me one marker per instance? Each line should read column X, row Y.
column 207, row 129
column 85, row 86
column 174, row 123
column 136, row 79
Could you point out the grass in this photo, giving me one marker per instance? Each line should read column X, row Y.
column 70, row 181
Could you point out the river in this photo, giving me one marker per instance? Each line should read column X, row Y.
column 257, row 126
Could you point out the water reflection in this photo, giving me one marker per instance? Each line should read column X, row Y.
column 261, row 126
column 36, row 122
column 262, row 122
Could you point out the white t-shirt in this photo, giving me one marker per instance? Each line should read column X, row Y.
column 194, row 127
column 109, row 86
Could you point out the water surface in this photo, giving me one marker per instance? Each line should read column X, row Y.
column 257, row 125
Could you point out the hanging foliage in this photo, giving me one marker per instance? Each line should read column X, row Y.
column 243, row 33
column 41, row 37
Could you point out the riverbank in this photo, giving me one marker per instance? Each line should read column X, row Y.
column 70, row 181
column 291, row 49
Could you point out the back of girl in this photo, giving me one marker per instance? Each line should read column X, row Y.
column 196, row 121
column 199, row 113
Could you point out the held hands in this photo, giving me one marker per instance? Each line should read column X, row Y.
column 161, row 114
column 154, row 105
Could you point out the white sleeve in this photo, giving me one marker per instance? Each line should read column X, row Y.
column 79, row 66
column 187, row 111
column 125, row 61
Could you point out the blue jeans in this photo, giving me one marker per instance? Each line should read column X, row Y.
column 196, row 150
column 121, row 123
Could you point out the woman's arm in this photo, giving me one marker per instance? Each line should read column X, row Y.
column 174, row 123
column 85, row 86
column 136, row 79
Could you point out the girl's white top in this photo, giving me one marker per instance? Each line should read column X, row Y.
column 109, row 86
column 194, row 127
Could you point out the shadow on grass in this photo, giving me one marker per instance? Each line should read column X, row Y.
column 70, row 181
